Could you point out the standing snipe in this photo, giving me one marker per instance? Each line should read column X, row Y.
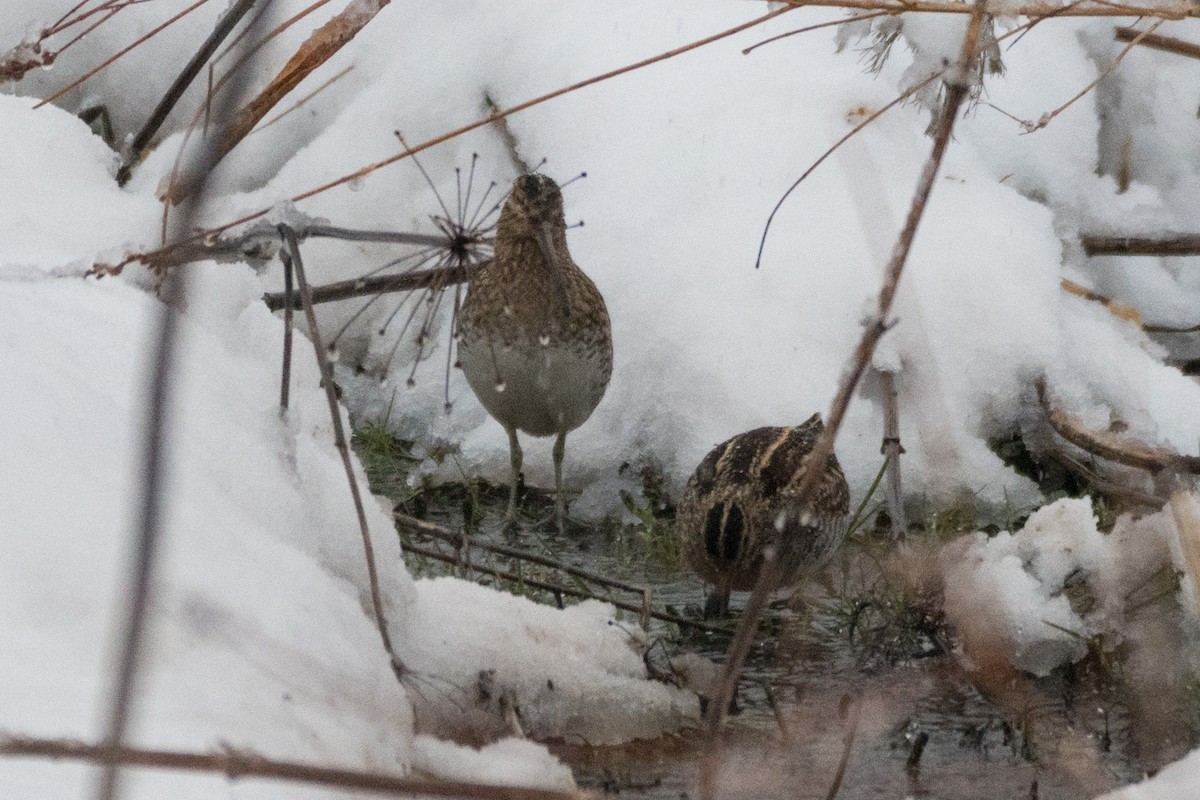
column 742, row 498
column 535, row 340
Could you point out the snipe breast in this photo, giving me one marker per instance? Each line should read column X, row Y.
column 742, row 498
column 535, row 340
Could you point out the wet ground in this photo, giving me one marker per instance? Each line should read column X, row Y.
column 851, row 669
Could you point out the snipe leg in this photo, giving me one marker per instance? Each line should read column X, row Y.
column 516, row 460
column 560, row 445
column 716, row 603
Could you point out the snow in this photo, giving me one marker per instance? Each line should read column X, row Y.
column 262, row 636
column 1009, row 596
column 498, row 644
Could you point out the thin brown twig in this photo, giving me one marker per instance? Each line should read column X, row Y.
column 108, row 6
column 491, row 118
column 847, row 746
column 1046, row 118
column 1034, row 23
column 1090, row 8
column 958, row 84
column 892, row 450
column 242, row 764
column 1018, row 31
column 261, row 241
column 293, row 260
column 817, row 26
column 285, row 372
column 1111, row 446
column 80, row 36
column 136, row 43
column 54, row 28
column 1168, row 44
column 296, row 106
column 320, row 46
column 459, row 539
column 561, row 589
column 175, row 188
column 900, row 98
column 1171, row 329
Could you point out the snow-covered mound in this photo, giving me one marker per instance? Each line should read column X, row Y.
column 260, row 636
column 685, row 159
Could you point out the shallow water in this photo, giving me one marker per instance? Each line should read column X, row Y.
column 920, row 725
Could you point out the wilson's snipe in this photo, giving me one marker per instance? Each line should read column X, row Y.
column 742, row 498
column 535, row 340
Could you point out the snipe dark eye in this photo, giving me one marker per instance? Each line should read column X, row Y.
column 531, row 187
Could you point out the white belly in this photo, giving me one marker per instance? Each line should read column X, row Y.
column 542, row 390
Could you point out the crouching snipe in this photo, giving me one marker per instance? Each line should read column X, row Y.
column 742, row 499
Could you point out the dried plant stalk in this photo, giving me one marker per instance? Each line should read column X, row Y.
column 293, row 260
column 150, row 511
column 236, row 764
column 1112, row 446
column 380, row 284
column 1183, row 244
column 958, row 83
column 316, row 50
column 1185, row 508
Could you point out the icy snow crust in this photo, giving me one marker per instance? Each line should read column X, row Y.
column 261, row 635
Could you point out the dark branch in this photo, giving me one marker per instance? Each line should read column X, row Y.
column 379, row 284
column 1182, row 244
column 219, row 33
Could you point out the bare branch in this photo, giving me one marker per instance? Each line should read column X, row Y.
column 292, row 260
column 382, row 284
column 1111, row 446
column 1095, row 8
column 260, row 243
column 460, row 539
column 1046, row 118
column 238, row 764
column 957, row 89
column 1174, row 244
column 892, row 449
column 847, row 746
column 492, row 118
column 560, row 589
column 1156, row 41
column 140, row 40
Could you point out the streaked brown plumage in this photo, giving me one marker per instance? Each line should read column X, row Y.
column 742, row 498
column 535, row 340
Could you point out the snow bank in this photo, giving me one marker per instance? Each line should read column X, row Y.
column 679, row 187
column 254, row 642
column 261, row 635
column 1033, row 598
column 1174, row 781
column 559, row 672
